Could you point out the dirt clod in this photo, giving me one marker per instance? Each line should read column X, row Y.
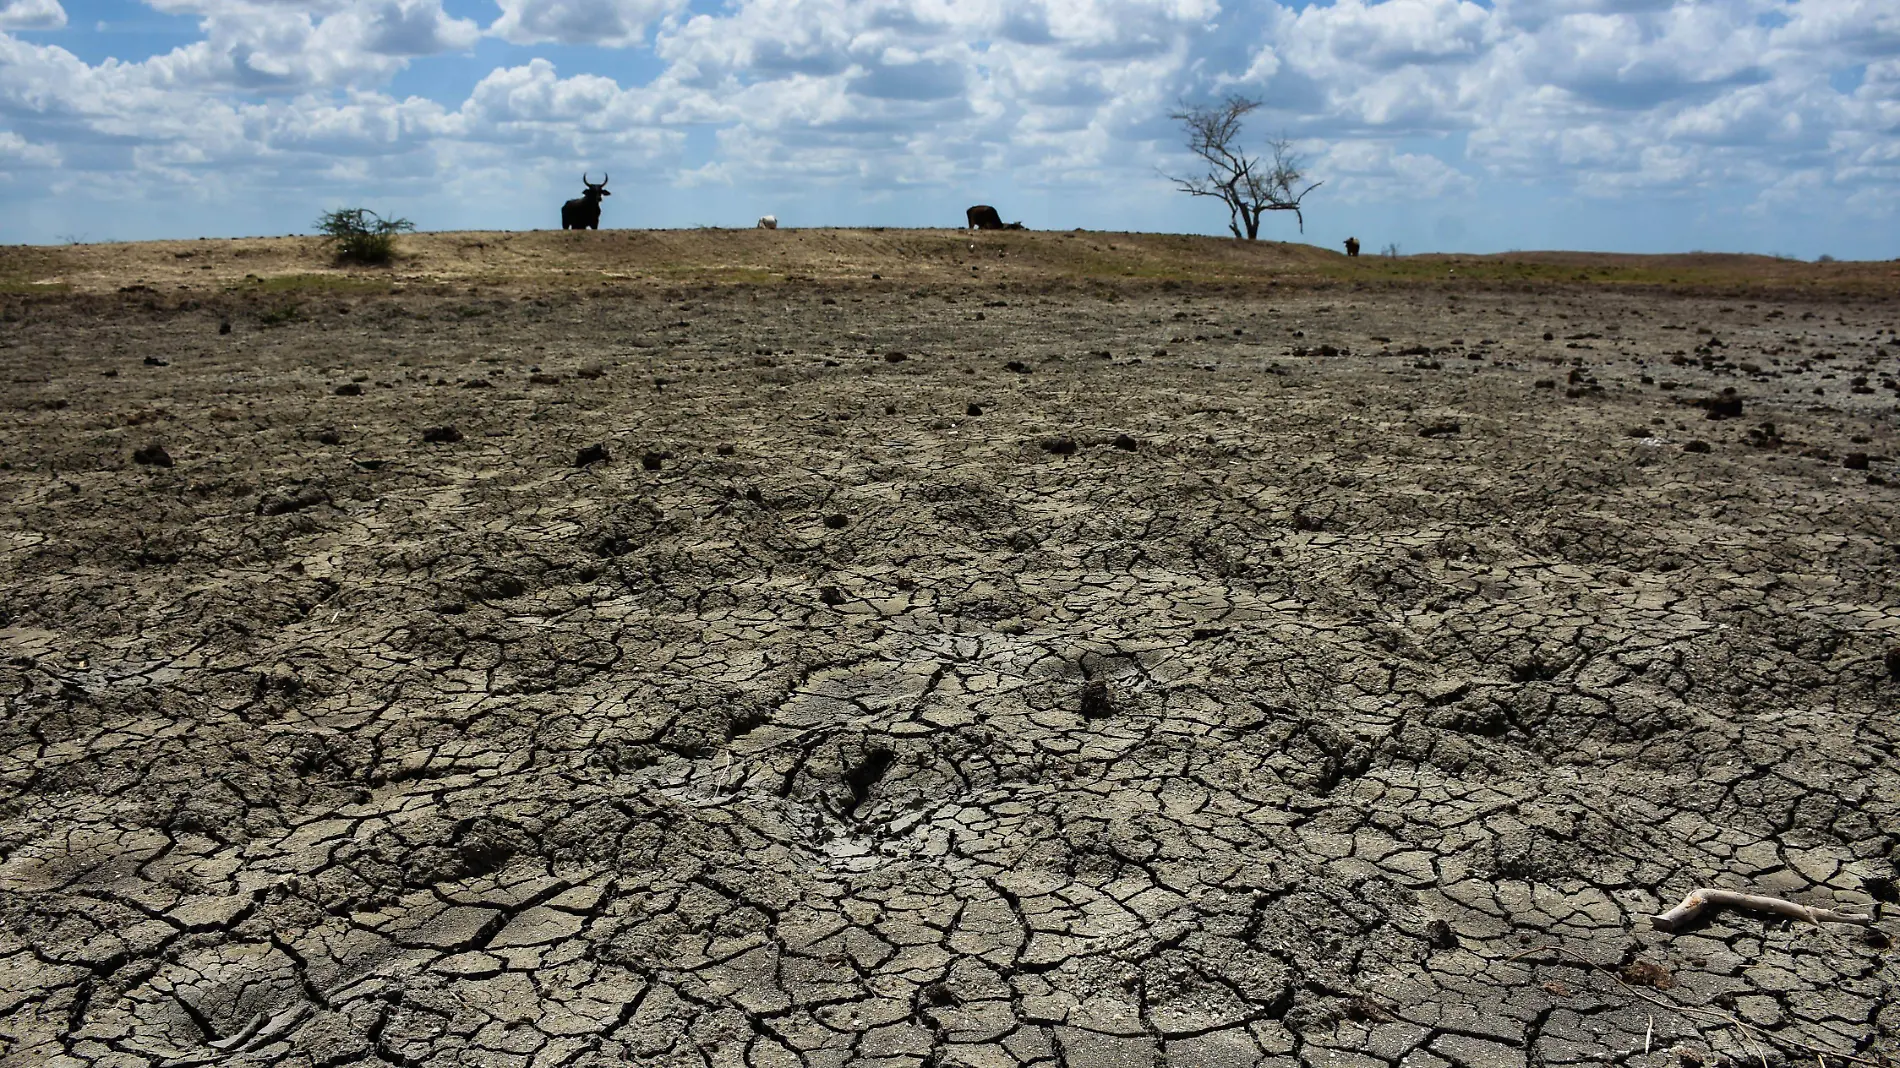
column 1647, row 973
column 591, row 454
column 1726, row 406
column 1059, row 446
column 1126, row 442
column 1441, row 429
column 441, row 435
column 153, row 455
column 290, row 499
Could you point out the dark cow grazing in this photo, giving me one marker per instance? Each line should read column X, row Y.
column 984, row 217
column 583, row 212
column 1352, row 246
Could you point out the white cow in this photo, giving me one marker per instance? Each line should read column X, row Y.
column 768, row 222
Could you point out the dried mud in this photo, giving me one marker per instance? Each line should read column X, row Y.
column 806, row 676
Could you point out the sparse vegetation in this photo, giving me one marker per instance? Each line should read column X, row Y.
column 361, row 235
column 1390, row 251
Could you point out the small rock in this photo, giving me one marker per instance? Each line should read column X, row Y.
column 1893, row 667
column 592, row 454
column 831, row 596
column 329, row 436
column 1440, row 429
column 1544, row 383
column 542, row 378
column 224, row 327
column 153, row 361
column 153, row 455
column 441, row 435
column 1697, row 445
column 1096, row 702
column 349, row 389
column 1058, row 446
column 1440, row 935
column 973, row 409
column 837, row 522
column 1017, row 366
column 1123, row 441
column 895, row 357
column 725, row 450
column 1640, row 432
column 651, row 461
column 1855, row 461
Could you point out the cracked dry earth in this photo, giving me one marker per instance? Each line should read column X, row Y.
column 941, row 678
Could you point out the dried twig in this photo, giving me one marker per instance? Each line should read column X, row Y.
column 1700, row 901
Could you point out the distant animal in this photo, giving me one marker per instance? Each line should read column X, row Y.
column 583, row 212
column 768, row 222
column 984, row 217
column 1352, row 246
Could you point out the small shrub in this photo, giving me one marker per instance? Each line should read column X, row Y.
column 1824, row 258
column 361, row 235
column 1391, row 251
column 282, row 315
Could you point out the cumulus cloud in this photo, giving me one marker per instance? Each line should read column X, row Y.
column 31, row 15
column 260, row 46
column 1365, row 171
column 607, row 23
column 17, row 153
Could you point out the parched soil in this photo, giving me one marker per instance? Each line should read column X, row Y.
column 928, row 672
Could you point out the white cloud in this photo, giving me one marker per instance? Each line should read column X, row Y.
column 18, row 154
column 259, row 46
column 607, row 23
column 31, row 15
column 1360, row 172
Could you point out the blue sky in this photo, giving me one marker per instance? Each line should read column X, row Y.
column 1438, row 125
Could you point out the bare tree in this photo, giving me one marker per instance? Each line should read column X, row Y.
column 1249, row 186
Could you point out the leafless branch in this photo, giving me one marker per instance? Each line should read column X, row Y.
column 1699, row 901
column 1249, row 186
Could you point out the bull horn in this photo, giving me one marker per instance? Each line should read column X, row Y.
column 604, row 179
column 584, row 180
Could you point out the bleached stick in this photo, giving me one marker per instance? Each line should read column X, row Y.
column 1708, row 897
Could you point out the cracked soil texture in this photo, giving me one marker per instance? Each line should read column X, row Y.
column 820, row 675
